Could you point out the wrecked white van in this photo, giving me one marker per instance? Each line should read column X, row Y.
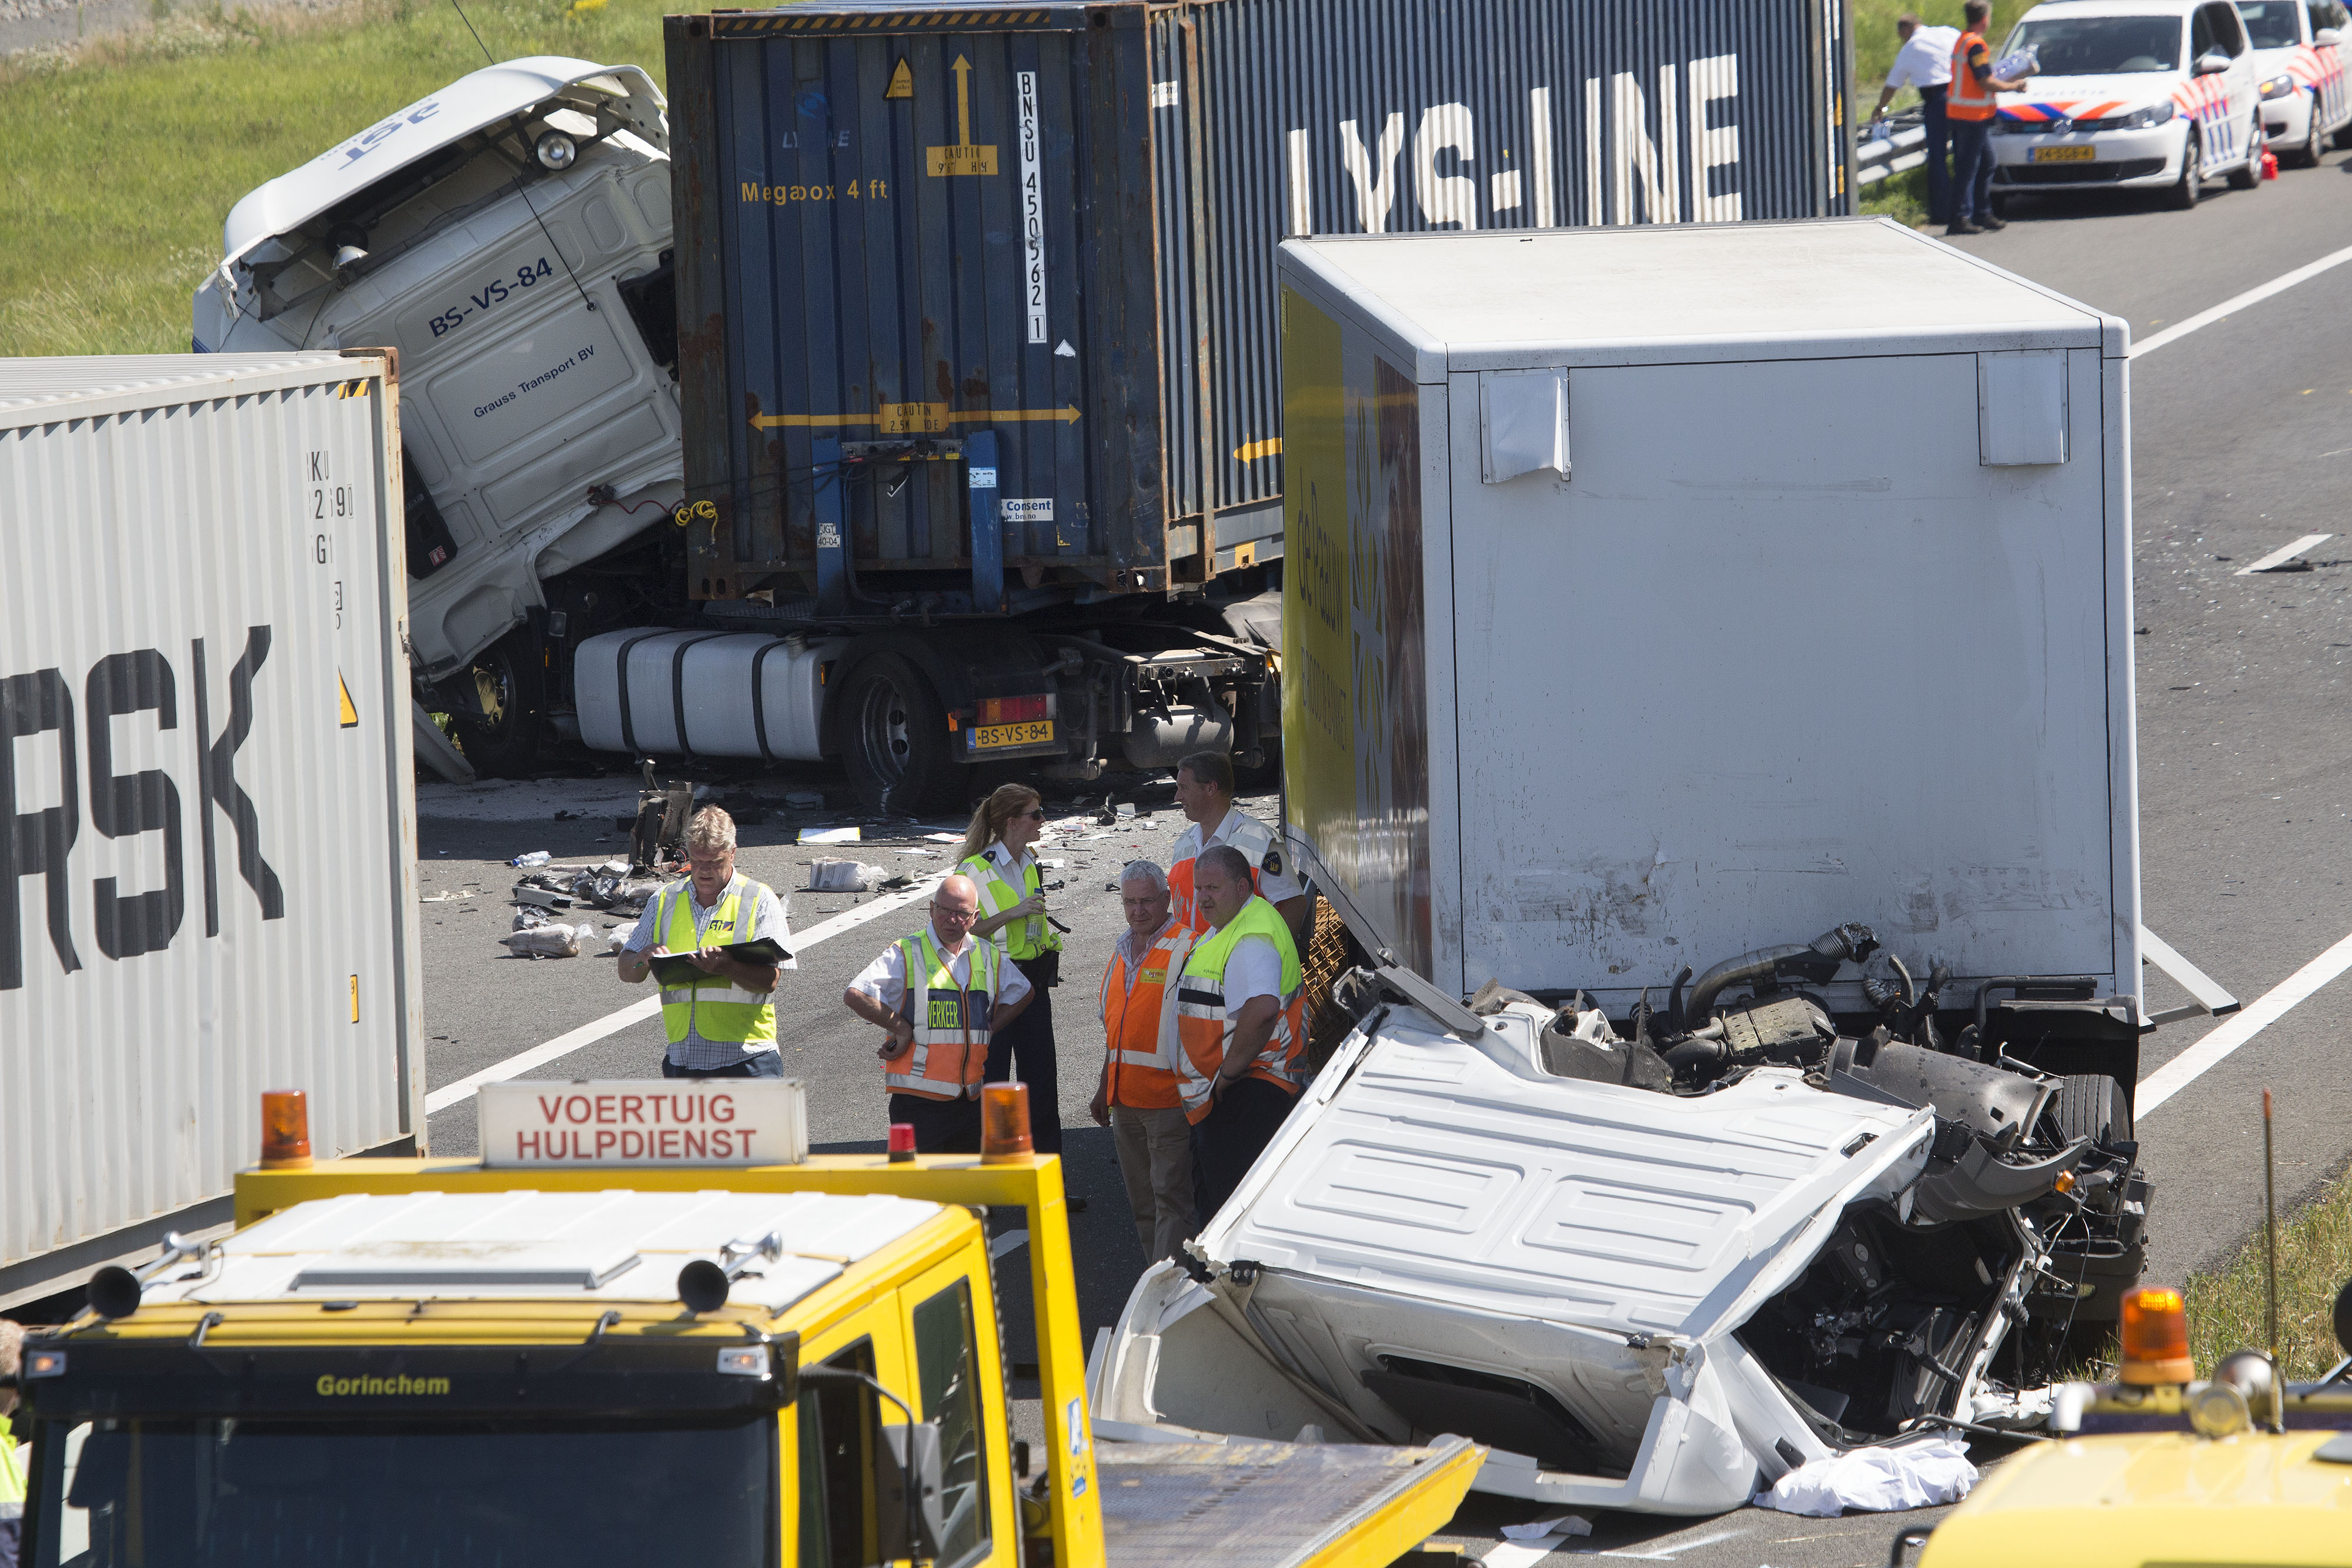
column 1648, row 1297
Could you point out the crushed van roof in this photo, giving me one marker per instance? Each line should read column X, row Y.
column 586, row 1246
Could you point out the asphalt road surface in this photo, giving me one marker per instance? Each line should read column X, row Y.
column 2239, row 428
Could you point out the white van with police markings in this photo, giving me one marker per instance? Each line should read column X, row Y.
column 2300, row 54
column 2136, row 94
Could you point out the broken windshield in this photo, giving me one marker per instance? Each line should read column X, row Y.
column 227, row 1494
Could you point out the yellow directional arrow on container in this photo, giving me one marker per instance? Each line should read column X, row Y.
column 962, row 158
column 915, row 418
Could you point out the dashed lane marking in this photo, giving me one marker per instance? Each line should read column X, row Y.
column 612, row 1023
column 2193, row 1064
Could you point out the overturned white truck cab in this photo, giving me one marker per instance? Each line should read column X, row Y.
column 1708, row 659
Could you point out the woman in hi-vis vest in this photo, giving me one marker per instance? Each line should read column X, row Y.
column 996, row 855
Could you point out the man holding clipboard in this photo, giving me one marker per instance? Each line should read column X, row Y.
column 718, row 942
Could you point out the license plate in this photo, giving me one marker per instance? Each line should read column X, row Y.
column 2065, row 154
column 996, row 736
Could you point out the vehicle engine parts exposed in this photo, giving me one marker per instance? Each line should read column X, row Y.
column 2031, row 1212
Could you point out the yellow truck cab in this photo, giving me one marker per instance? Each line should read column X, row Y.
column 2162, row 1470
column 437, row 1362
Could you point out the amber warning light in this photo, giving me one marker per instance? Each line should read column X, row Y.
column 285, row 1130
column 1003, row 1122
column 2156, row 1337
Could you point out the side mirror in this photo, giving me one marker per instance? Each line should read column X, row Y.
column 2210, row 62
column 2326, row 36
column 908, row 1505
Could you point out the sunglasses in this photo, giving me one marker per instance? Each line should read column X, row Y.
column 1038, row 814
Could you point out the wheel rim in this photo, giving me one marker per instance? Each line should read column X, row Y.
column 886, row 730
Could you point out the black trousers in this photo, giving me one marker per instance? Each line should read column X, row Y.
column 1229, row 1139
column 941, row 1127
column 1939, row 152
column 1024, row 1050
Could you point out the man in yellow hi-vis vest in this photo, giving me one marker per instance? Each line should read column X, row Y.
column 724, row 1024
column 1232, row 1028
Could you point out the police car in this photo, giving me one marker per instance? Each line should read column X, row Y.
column 2133, row 94
column 2299, row 60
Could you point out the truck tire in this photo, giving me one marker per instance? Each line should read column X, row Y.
column 894, row 738
column 508, row 678
column 2093, row 1105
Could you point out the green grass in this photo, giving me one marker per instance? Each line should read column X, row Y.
column 2226, row 1307
column 124, row 156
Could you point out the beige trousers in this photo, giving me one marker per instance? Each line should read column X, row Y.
column 1155, row 1156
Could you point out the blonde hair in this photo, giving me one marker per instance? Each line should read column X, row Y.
column 711, row 829
column 1004, row 802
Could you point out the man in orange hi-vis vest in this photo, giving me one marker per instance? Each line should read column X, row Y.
column 1969, row 105
column 943, row 994
column 1139, row 1097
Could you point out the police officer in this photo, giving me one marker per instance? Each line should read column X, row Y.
column 1234, row 1028
column 723, row 1025
column 1138, row 1098
column 1204, row 793
column 997, row 856
column 944, row 996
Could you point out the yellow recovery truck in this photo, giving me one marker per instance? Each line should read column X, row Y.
column 2159, row 1469
column 437, row 1362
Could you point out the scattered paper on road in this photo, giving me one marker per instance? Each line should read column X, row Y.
column 847, row 835
column 1548, row 1529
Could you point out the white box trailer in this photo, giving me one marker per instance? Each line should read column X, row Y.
column 1658, row 594
column 207, row 823
column 1657, row 598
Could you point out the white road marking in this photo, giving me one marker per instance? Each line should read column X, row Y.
column 1668, row 1554
column 449, row 1094
column 2185, row 1068
column 1511, row 1554
column 2253, row 296
column 2281, row 556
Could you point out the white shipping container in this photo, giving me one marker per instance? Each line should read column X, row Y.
column 1659, row 594
column 207, row 824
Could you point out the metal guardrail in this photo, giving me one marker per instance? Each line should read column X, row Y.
column 1904, row 146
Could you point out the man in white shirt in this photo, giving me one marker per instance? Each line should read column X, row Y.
column 1925, row 62
column 933, row 1066
column 1204, row 793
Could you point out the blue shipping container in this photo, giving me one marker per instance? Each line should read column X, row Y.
column 977, row 305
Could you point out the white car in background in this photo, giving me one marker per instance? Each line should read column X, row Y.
column 2131, row 94
column 2299, row 61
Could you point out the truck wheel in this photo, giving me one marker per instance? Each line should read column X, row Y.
column 2093, row 1105
column 2191, row 184
column 509, row 679
column 894, row 738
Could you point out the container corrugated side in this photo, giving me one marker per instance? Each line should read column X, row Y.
column 1391, row 116
column 1118, row 355
column 209, row 888
column 900, row 227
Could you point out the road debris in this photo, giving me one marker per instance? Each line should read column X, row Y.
column 1924, row 1474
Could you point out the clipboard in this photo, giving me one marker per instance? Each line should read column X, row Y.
column 674, row 970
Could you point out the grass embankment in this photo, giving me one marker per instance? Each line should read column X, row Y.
column 2226, row 1309
column 1903, row 197
column 125, row 154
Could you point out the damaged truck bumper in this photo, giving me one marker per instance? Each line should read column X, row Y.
column 1638, row 1299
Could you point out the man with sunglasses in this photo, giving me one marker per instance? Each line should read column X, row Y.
column 724, row 1024
column 941, row 995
